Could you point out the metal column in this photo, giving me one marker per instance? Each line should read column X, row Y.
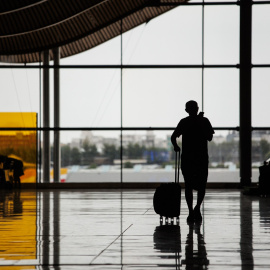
column 56, row 148
column 46, row 157
column 245, row 91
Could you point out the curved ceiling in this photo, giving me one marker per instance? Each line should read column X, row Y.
column 28, row 27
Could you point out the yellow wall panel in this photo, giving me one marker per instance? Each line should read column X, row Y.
column 20, row 144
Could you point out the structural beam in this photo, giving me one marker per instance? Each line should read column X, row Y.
column 245, row 92
column 56, row 148
column 46, row 157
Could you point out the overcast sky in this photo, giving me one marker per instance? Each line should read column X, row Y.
column 156, row 97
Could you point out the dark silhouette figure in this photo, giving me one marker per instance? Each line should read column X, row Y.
column 11, row 170
column 264, row 183
column 196, row 131
column 16, row 167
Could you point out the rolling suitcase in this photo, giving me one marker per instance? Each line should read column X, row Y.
column 167, row 197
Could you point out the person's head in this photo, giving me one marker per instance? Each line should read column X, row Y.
column 192, row 107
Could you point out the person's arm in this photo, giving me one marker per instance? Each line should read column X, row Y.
column 209, row 137
column 206, row 127
column 209, row 131
column 176, row 134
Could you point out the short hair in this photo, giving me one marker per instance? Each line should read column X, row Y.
column 191, row 105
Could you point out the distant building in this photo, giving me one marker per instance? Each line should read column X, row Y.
column 218, row 139
column 257, row 135
column 232, row 136
column 147, row 140
column 132, row 139
column 76, row 143
column 150, row 139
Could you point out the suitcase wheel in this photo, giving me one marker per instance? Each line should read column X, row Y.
column 172, row 220
column 168, row 220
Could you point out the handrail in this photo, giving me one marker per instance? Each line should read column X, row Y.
column 123, row 66
column 111, row 128
column 97, row 128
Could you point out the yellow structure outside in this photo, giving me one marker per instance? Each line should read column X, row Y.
column 63, row 174
column 20, row 144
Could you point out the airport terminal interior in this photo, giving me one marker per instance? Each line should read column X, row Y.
column 91, row 93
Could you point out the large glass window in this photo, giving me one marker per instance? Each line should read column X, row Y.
column 20, row 90
column 157, row 97
column 90, row 97
column 221, row 35
column 148, row 157
column 260, row 34
column 172, row 38
column 221, row 97
column 90, row 157
column 260, row 92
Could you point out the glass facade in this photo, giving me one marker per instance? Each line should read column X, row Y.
column 190, row 52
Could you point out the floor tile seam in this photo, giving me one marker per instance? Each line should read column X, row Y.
column 121, row 234
column 147, row 210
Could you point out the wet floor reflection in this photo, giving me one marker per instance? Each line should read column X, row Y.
column 45, row 229
column 10, row 203
column 56, row 229
column 113, row 229
column 264, row 210
column 246, row 234
column 50, row 229
column 17, row 226
column 167, row 240
column 195, row 249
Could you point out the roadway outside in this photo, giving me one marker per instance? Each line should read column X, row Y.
column 106, row 174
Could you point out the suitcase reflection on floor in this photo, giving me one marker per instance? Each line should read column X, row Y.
column 167, row 240
column 195, row 251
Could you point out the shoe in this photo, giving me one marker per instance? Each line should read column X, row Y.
column 197, row 215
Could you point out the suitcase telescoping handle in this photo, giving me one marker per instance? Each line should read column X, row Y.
column 177, row 166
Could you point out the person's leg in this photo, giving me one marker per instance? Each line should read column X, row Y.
column 200, row 198
column 189, row 198
column 187, row 172
column 197, row 211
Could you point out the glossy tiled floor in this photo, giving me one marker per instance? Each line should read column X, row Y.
column 119, row 230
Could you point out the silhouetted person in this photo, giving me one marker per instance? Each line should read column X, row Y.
column 17, row 168
column 196, row 131
column 264, row 183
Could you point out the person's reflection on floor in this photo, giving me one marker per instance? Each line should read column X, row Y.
column 264, row 209
column 196, row 258
column 17, row 202
column 10, row 203
column 167, row 240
